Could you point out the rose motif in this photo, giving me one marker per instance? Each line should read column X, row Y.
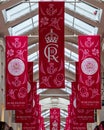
column 22, row 92
column 16, row 67
column 83, row 92
column 59, row 79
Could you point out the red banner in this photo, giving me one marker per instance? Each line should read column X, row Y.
column 35, row 123
column 54, row 119
column 89, row 89
column 74, row 124
column 26, row 115
column 51, row 45
column 30, row 71
column 16, row 72
column 82, row 115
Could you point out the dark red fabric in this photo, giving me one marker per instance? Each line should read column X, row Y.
column 82, row 115
column 35, row 123
column 26, row 115
column 51, row 45
column 36, row 113
column 54, row 119
column 74, row 124
column 16, row 72
column 89, row 88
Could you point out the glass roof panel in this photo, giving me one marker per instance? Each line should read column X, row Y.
column 70, row 67
column 24, row 27
column 80, row 25
column 71, row 54
column 68, row 90
column 46, row 113
column 28, row 25
column 85, row 9
column 64, row 113
column 19, row 10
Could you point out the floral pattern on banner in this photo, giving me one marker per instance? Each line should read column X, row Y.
column 51, row 44
column 54, row 119
column 74, row 123
column 89, row 84
column 82, row 115
column 16, row 72
column 26, row 115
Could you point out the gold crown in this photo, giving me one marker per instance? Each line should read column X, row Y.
column 51, row 37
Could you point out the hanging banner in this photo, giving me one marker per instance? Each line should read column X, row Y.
column 82, row 115
column 54, row 119
column 51, row 45
column 89, row 88
column 36, row 113
column 16, row 72
column 30, row 72
column 35, row 123
column 74, row 124
column 26, row 115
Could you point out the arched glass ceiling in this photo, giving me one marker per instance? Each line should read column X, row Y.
column 23, row 8
column 85, row 9
column 81, row 7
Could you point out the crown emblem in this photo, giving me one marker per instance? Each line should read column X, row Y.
column 51, row 37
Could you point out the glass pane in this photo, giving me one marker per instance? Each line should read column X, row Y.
column 19, row 10
column 80, row 25
column 33, row 56
column 85, row 9
column 24, row 26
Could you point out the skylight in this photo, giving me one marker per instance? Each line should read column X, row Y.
column 33, row 56
column 46, row 113
column 63, row 113
column 68, row 90
column 24, row 8
column 71, row 54
column 79, row 25
column 25, row 26
column 85, row 9
column 19, row 10
column 70, row 67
